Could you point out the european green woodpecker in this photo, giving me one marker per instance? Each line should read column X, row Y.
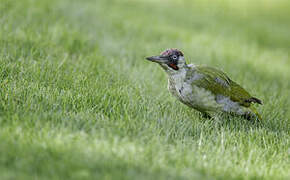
column 204, row 88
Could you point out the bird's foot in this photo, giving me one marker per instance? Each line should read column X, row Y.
column 251, row 117
column 205, row 115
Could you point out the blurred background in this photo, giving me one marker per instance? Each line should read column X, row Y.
column 78, row 100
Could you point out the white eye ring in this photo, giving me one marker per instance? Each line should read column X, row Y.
column 174, row 57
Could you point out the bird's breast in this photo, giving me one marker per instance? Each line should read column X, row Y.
column 192, row 95
column 181, row 90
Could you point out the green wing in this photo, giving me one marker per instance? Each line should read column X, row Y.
column 219, row 83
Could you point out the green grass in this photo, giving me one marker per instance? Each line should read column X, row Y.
column 79, row 101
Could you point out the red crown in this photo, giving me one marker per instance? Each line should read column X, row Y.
column 171, row 51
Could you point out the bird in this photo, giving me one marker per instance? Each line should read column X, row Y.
column 204, row 88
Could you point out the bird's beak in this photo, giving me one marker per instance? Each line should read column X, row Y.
column 158, row 59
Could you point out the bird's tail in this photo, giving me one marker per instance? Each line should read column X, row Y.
column 254, row 110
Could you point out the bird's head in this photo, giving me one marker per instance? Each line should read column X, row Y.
column 171, row 60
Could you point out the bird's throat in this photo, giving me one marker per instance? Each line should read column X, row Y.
column 173, row 66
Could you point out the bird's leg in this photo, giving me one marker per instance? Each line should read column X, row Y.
column 205, row 115
column 249, row 116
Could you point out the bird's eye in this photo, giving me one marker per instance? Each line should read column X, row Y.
column 174, row 57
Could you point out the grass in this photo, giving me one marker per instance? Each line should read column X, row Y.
column 78, row 100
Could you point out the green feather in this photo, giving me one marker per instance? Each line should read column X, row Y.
column 219, row 83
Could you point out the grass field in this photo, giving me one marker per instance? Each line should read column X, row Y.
column 79, row 101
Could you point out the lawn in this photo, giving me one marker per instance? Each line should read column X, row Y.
column 79, row 101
